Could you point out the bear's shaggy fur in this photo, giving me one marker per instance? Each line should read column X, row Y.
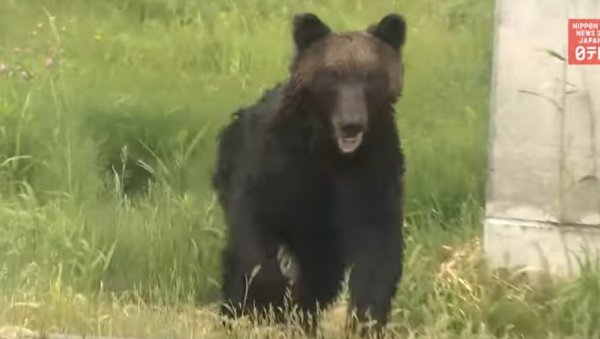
column 316, row 166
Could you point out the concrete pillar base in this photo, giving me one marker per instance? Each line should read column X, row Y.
column 559, row 250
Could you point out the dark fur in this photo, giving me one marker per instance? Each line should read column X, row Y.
column 281, row 181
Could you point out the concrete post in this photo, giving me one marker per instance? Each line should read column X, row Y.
column 543, row 194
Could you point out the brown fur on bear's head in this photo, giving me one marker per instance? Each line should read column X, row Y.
column 347, row 79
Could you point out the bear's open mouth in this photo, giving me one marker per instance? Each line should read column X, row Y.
column 350, row 144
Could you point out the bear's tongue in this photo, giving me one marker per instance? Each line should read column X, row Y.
column 349, row 144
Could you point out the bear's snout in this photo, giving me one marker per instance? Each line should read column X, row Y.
column 351, row 129
column 349, row 136
column 350, row 118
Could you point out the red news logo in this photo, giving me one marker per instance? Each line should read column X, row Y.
column 584, row 41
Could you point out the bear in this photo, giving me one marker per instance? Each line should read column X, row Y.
column 316, row 167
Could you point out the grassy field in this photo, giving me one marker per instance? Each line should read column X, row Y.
column 108, row 116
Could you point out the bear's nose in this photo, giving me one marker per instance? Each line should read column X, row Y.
column 351, row 129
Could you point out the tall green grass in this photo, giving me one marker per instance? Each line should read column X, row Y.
column 108, row 116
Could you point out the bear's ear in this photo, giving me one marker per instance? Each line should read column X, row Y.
column 308, row 28
column 391, row 29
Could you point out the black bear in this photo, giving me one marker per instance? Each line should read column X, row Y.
column 316, row 167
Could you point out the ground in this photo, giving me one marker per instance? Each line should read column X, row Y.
column 97, row 98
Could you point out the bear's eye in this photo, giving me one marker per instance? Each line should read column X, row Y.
column 374, row 77
column 326, row 77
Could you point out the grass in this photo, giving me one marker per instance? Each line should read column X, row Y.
column 98, row 98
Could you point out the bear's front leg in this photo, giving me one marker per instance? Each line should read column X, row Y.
column 252, row 279
column 376, row 271
column 368, row 213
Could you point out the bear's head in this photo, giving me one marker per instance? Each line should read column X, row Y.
column 348, row 80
